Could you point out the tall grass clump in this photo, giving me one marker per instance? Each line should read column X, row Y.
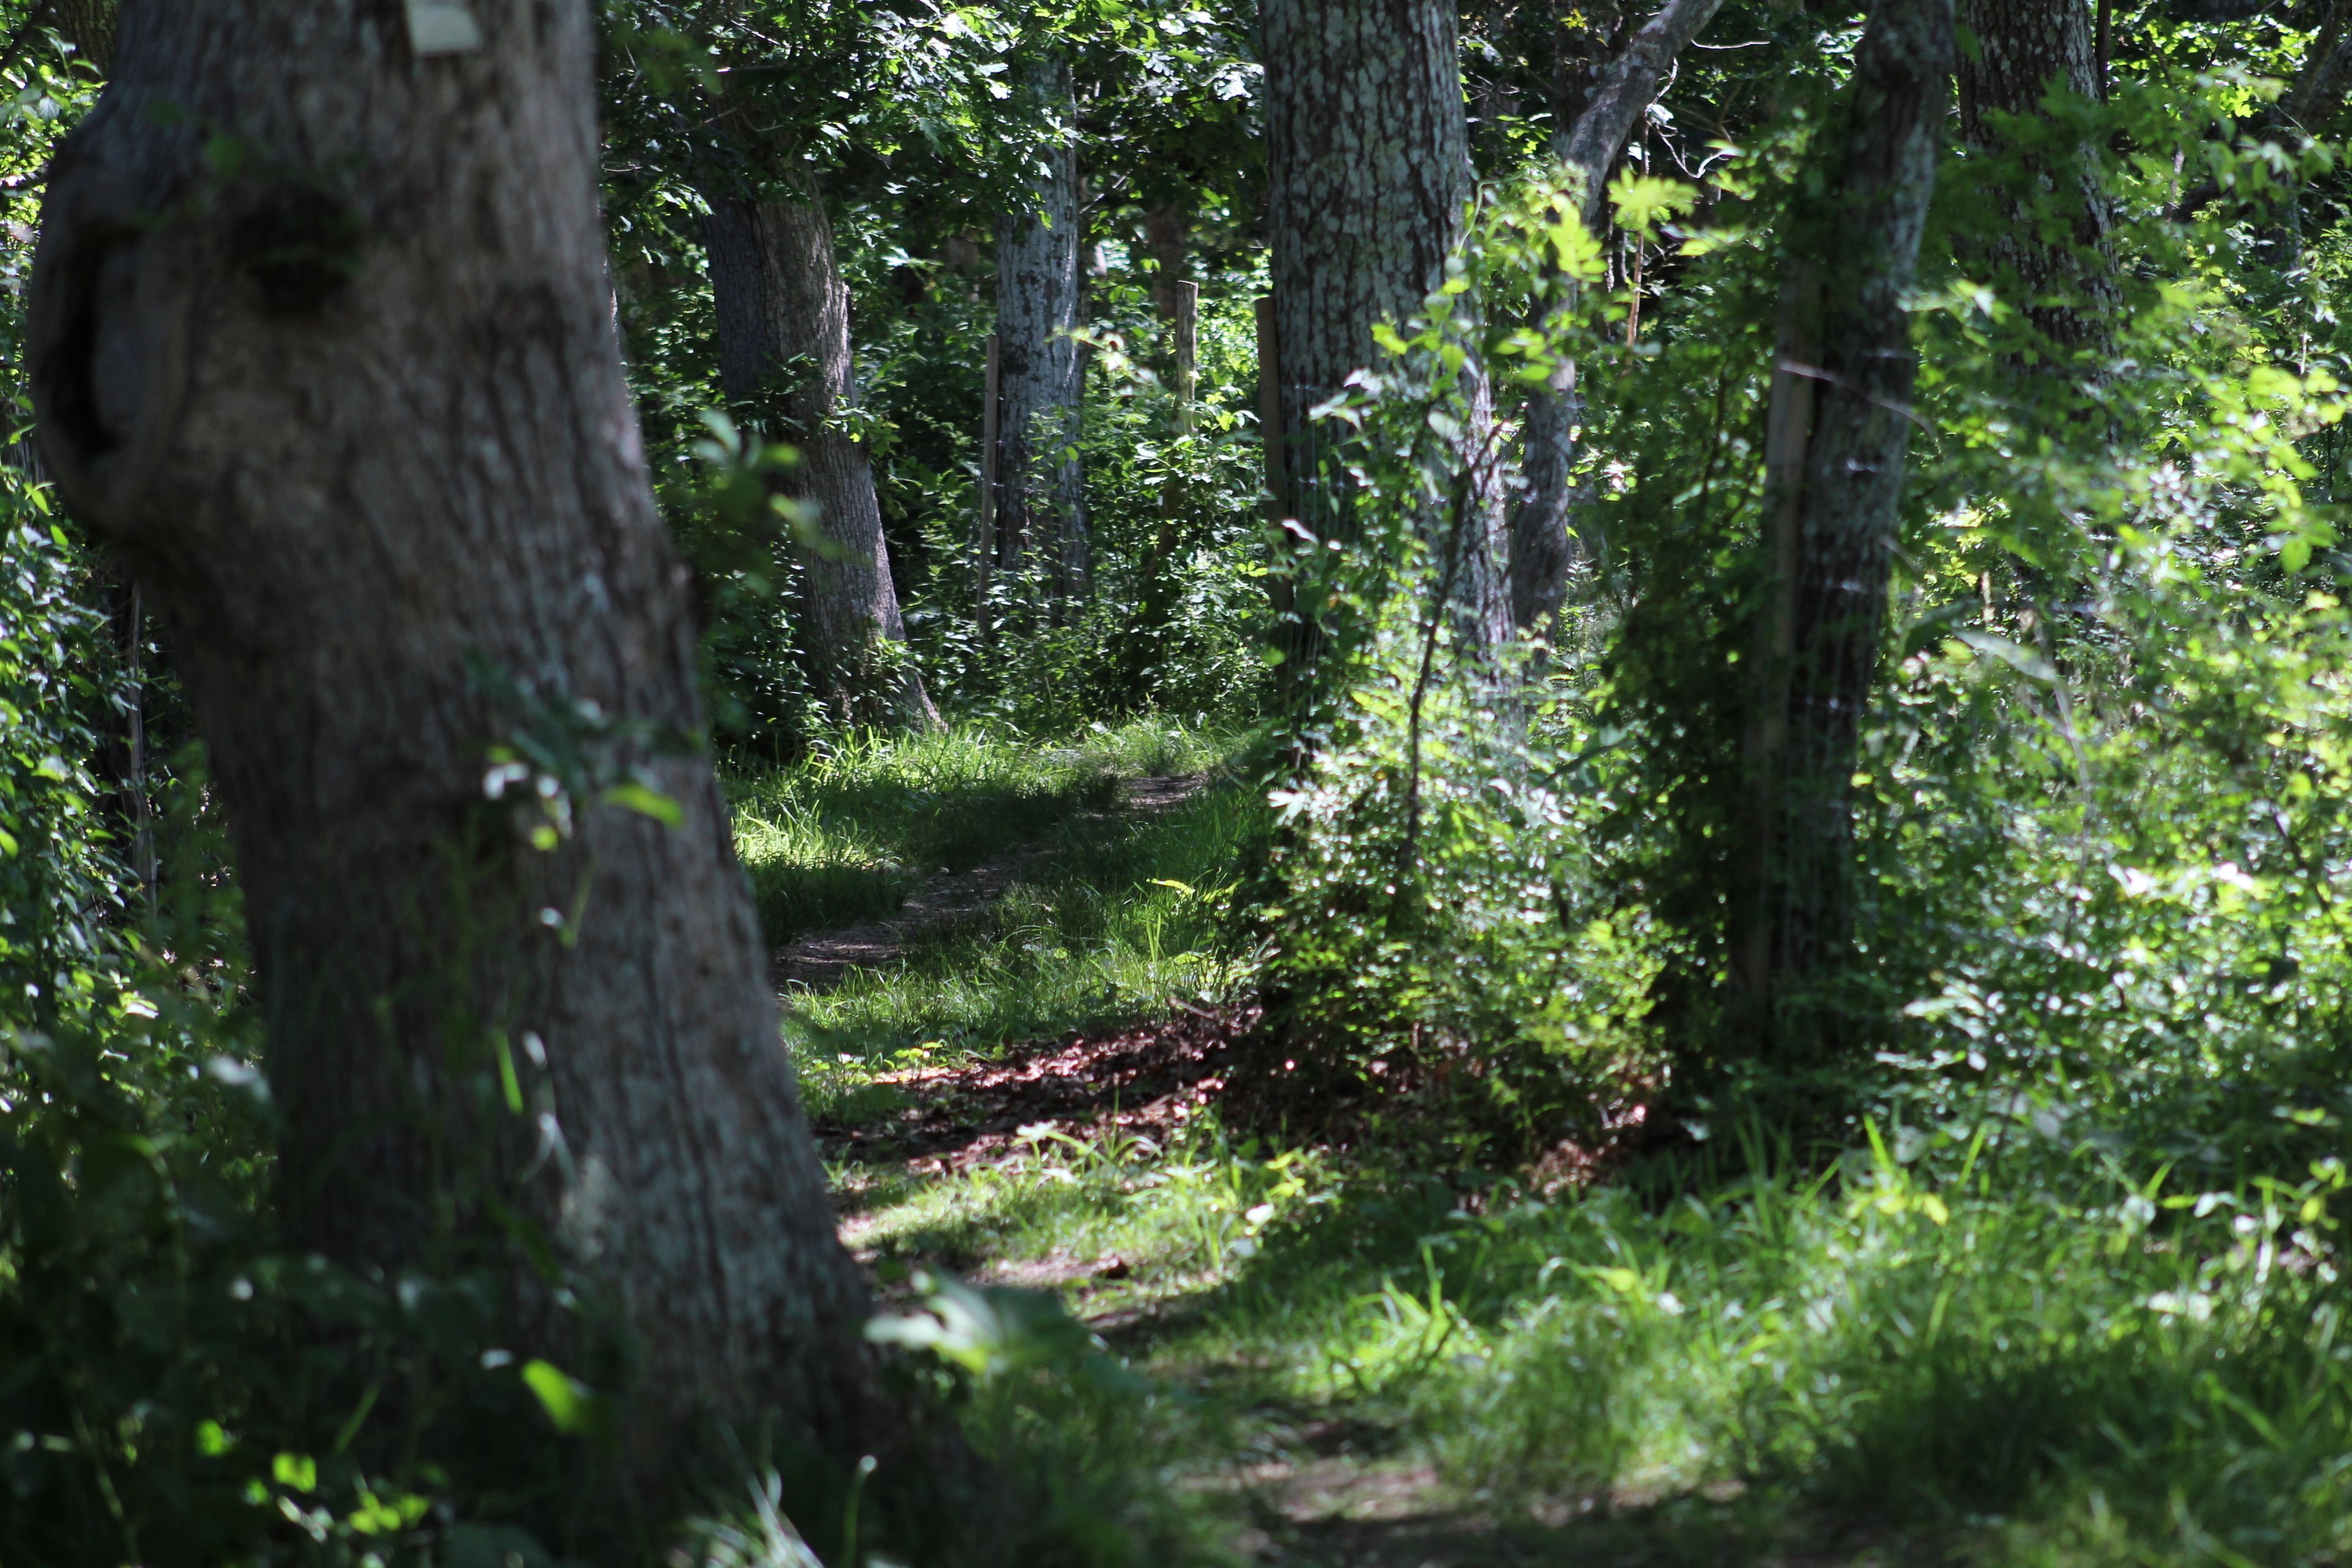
column 1982, row 1333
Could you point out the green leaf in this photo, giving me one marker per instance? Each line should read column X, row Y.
column 2023, row 660
column 576, row 1409
column 508, row 1082
column 645, row 801
column 1642, row 200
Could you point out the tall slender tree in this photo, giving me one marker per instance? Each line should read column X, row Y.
column 1596, row 125
column 88, row 25
column 1370, row 185
column 2316, row 96
column 1839, row 427
column 320, row 339
column 1167, row 236
column 783, row 313
column 2052, row 250
column 1041, row 518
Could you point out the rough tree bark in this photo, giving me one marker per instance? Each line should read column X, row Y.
column 1544, row 545
column 784, row 349
column 1369, row 167
column 1838, row 429
column 1041, row 483
column 354, row 416
column 89, row 27
column 2054, row 247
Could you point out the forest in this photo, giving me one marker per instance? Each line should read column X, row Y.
column 1118, row 783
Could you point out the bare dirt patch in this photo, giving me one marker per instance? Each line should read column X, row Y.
column 1148, row 1077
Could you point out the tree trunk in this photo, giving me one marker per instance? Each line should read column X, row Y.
column 784, row 349
column 2053, row 253
column 1041, row 482
column 89, row 27
column 1167, row 234
column 1147, row 640
column 2316, row 94
column 1837, row 433
column 1369, row 167
column 2311, row 101
column 354, row 416
column 1543, row 543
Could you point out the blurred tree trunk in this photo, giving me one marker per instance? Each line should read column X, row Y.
column 352, row 409
column 1838, row 430
column 1543, row 543
column 89, row 26
column 1168, row 235
column 1369, row 167
column 783, row 350
column 1040, row 481
column 2053, row 253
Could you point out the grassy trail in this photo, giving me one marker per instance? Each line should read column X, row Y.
column 1965, row 1344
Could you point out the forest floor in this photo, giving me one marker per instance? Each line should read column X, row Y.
column 1301, row 1484
column 1012, row 989
column 1064, row 1138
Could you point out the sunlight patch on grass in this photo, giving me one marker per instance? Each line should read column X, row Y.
column 1129, row 915
column 846, row 838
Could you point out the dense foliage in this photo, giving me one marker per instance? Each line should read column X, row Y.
column 2045, row 1262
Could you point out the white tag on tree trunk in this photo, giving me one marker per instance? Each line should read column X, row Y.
column 443, row 27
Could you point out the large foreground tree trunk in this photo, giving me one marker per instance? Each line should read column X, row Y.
column 1839, row 428
column 1368, row 166
column 1041, row 518
column 1543, row 543
column 783, row 350
column 351, row 404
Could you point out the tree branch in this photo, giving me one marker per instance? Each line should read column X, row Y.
column 1624, row 95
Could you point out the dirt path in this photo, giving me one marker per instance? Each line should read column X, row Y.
column 822, row 959
column 1146, row 1078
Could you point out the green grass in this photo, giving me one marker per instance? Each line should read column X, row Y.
column 1982, row 1343
column 2015, row 1363
column 1124, row 917
column 846, row 838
